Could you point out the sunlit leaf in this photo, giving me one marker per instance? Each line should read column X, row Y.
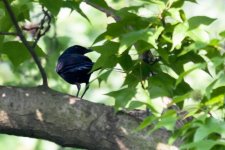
column 181, row 76
column 218, row 100
column 179, row 34
column 203, row 145
column 147, row 122
column 198, row 35
column 193, row 47
column 211, row 126
column 149, row 35
column 222, row 34
column 113, row 30
column 196, row 21
column 168, row 120
column 136, row 104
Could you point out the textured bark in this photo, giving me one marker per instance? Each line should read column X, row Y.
column 43, row 113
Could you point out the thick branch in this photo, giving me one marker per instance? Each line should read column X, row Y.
column 40, row 112
column 25, row 42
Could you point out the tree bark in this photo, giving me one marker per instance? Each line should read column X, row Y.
column 40, row 112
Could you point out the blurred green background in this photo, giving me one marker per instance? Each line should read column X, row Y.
column 71, row 28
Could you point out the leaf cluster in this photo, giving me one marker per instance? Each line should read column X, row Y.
column 157, row 54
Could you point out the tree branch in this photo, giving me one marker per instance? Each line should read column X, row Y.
column 40, row 112
column 8, row 33
column 40, row 34
column 25, row 42
column 108, row 11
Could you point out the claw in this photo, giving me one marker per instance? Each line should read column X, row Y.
column 78, row 89
column 85, row 90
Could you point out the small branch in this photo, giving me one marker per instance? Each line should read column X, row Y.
column 30, row 28
column 8, row 33
column 40, row 34
column 25, row 42
column 108, row 11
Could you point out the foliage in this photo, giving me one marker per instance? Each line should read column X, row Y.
column 158, row 54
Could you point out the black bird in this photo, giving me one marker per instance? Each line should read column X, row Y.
column 74, row 67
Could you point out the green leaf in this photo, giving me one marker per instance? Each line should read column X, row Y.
column 4, row 27
column 131, row 80
column 196, row 21
column 192, row 47
column 217, row 83
column 193, row 1
column 198, row 35
column 222, row 34
column 179, row 3
column 202, row 145
column 113, row 30
column 175, row 14
column 151, row 39
column 167, row 120
column 218, row 100
column 136, row 105
column 52, row 5
column 182, row 15
column 125, row 61
column 132, row 8
column 149, row 35
column 161, row 85
column 182, row 75
column 18, row 53
column 101, row 3
column 211, row 126
column 130, row 38
column 147, row 122
column 75, row 5
column 104, row 76
column 218, row 92
column 181, row 98
column 108, row 50
column 122, row 97
column 161, row 4
column 179, row 34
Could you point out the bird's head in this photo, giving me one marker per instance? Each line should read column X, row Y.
column 76, row 49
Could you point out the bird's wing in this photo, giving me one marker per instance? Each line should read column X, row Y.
column 74, row 63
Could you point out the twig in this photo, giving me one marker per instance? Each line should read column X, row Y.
column 30, row 28
column 25, row 42
column 8, row 33
column 108, row 11
column 39, row 32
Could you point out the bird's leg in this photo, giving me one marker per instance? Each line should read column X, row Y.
column 78, row 89
column 85, row 90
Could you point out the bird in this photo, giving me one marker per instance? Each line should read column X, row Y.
column 74, row 67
